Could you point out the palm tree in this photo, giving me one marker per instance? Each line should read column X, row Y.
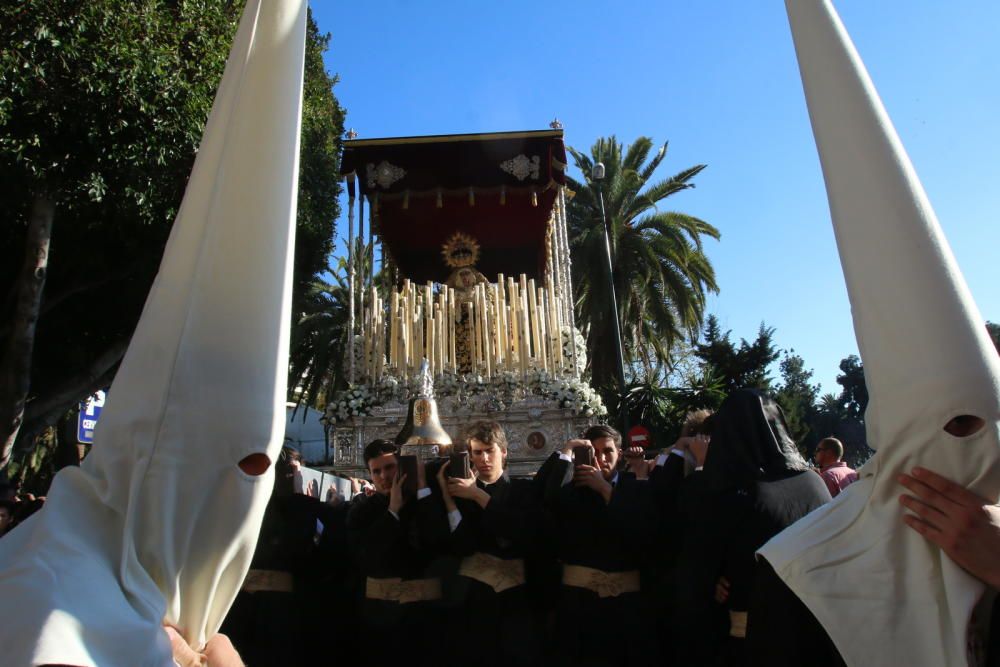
column 318, row 348
column 662, row 275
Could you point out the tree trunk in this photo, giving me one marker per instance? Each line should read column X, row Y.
column 15, row 378
column 45, row 411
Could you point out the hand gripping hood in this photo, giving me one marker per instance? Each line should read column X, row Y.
column 884, row 594
column 160, row 522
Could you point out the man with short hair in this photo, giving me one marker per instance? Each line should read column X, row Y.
column 605, row 529
column 394, row 539
column 496, row 528
column 835, row 472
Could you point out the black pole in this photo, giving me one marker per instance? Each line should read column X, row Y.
column 623, row 410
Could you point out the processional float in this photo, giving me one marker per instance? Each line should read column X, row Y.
column 474, row 283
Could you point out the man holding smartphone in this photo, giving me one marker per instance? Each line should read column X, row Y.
column 394, row 537
column 496, row 526
column 605, row 525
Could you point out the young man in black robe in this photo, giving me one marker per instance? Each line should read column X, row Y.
column 604, row 530
column 267, row 620
column 394, row 540
column 496, row 525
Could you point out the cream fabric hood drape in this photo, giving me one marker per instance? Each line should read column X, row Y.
column 885, row 595
column 160, row 523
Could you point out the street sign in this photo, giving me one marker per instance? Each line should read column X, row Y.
column 90, row 410
column 639, row 436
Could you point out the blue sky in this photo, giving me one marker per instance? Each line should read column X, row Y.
column 720, row 82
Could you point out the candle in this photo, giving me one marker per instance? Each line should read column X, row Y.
column 525, row 331
column 515, row 322
column 393, row 327
column 472, row 335
column 543, row 332
column 451, row 329
column 533, row 312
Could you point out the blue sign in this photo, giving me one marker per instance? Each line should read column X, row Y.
column 90, row 410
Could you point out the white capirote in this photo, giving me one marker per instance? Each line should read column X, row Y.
column 885, row 595
column 160, row 523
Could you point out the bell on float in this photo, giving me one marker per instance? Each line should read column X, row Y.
column 423, row 427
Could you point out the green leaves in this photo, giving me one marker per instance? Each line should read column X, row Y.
column 662, row 275
column 102, row 104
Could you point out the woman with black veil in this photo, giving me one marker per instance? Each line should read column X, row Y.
column 754, row 483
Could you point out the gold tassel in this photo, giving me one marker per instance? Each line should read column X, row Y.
column 534, row 197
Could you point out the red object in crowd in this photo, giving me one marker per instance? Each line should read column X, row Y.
column 639, row 436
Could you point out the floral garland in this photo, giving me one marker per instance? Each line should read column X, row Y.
column 574, row 343
column 356, row 401
column 575, row 394
column 497, row 393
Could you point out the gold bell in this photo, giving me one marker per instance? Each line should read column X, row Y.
column 423, row 426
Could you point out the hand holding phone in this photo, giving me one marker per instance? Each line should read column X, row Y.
column 459, row 466
column 408, row 467
column 583, row 455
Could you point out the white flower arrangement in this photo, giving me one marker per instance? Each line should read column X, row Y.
column 575, row 394
column 389, row 388
column 355, row 401
column 474, row 391
column 360, row 364
column 447, row 383
column 574, row 343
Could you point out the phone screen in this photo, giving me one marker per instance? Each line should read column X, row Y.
column 459, row 466
column 408, row 467
column 583, row 455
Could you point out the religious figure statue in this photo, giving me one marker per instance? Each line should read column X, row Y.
column 461, row 252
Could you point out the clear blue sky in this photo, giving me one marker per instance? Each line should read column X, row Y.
column 720, row 82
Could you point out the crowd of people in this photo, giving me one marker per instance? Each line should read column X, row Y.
column 603, row 557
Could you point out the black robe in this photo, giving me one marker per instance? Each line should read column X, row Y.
column 613, row 537
column 385, row 547
column 723, row 531
column 509, row 527
column 267, row 627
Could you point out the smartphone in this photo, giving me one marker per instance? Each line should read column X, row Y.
column 408, row 467
column 583, row 455
column 459, row 466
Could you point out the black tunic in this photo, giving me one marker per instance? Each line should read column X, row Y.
column 385, row 547
column 723, row 530
column 613, row 537
column 266, row 627
column 509, row 527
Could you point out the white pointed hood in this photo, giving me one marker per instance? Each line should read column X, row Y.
column 160, row 523
column 885, row 595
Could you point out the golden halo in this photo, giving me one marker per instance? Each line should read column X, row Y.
column 460, row 250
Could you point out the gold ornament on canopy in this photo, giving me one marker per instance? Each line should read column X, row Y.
column 460, row 250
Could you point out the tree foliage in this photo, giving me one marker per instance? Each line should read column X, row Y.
column 662, row 275
column 102, row 105
column 743, row 366
column 797, row 396
column 318, row 355
column 993, row 329
column 843, row 415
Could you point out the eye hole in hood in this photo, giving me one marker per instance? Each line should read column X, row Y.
column 255, row 464
column 964, row 425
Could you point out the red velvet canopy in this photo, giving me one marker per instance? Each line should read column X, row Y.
column 498, row 188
